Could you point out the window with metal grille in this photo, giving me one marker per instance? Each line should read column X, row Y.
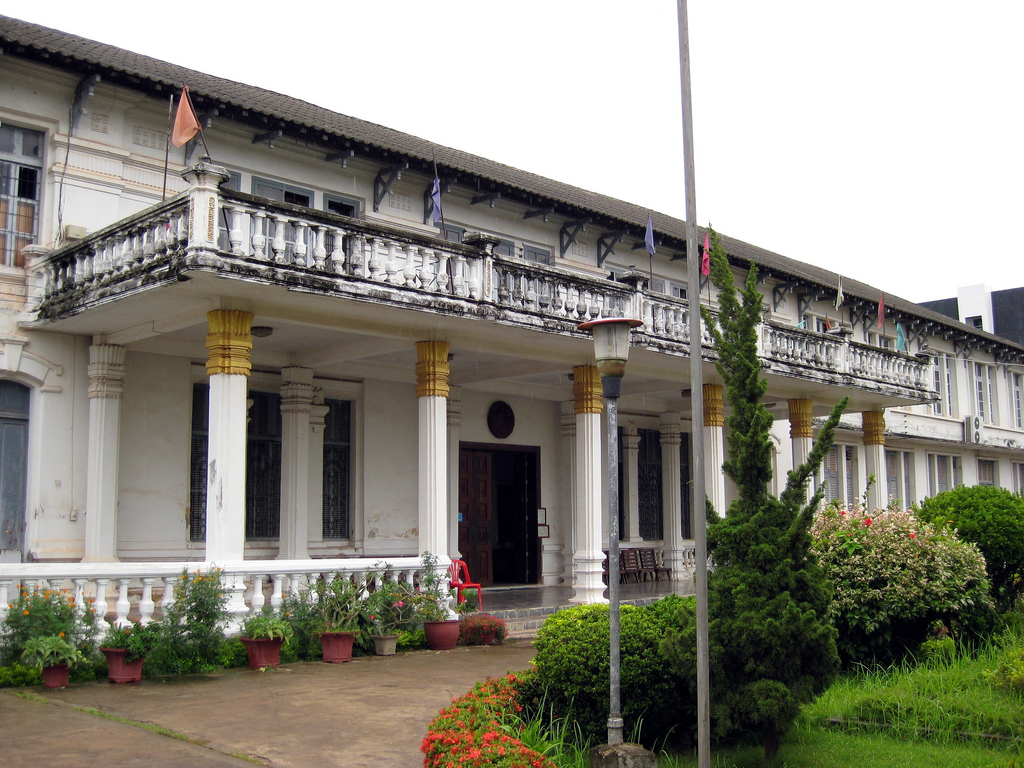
column 829, row 482
column 198, row 463
column 649, row 484
column 263, row 467
column 684, row 481
column 851, row 488
column 21, row 166
column 337, row 469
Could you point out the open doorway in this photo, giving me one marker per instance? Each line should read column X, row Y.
column 498, row 496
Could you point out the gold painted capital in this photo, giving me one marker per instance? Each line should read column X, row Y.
column 874, row 427
column 586, row 387
column 432, row 369
column 714, row 407
column 229, row 341
column 800, row 420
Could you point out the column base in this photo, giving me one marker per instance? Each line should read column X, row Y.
column 676, row 560
column 588, row 586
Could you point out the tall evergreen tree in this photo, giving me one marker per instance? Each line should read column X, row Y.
column 771, row 647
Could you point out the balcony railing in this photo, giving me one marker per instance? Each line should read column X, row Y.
column 252, row 238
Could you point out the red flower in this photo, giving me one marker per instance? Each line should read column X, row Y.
column 913, row 535
column 867, row 521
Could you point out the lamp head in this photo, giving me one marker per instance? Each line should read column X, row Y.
column 611, row 343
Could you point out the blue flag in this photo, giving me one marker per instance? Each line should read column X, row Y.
column 901, row 340
column 649, row 237
column 435, row 197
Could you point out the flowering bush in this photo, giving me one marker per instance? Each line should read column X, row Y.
column 391, row 607
column 136, row 638
column 473, row 628
column 46, row 613
column 470, row 731
column 192, row 630
column 893, row 577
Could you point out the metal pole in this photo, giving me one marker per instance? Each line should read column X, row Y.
column 614, row 708
column 697, row 401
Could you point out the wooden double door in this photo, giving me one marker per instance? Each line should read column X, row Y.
column 498, row 496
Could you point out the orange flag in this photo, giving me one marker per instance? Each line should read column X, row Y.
column 186, row 126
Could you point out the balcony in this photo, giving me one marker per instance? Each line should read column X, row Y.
column 240, row 237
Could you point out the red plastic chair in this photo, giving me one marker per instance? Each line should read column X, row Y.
column 458, row 572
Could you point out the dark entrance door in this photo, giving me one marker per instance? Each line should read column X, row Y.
column 498, row 496
column 14, row 400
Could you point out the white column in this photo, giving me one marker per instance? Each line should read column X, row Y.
column 874, row 454
column 588, row 556
column 631, row 485
column 672, row 494
column 315, row 518
column 568, row 524
column 106, row 383
column 229, row 343
column 714, row 447
column 432, row 392
column 296, row 402
column 454, row 427
column 801, row 433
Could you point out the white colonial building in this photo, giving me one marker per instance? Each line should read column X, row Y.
column 285, row 364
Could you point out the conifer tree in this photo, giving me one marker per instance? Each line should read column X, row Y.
column 772, row 649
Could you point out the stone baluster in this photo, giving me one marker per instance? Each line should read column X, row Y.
column 338, row 252
column 235, row 232
column 258, row 600
column 146, row 604
column 459, row 284
column 123, row 605
column 356, row 259
column 160, row 237
column 277, row 595
column 259, row 240
column 168, row 599
column 427, row 282
column 373, row 262
column 278, row 243
column 100, row 606
column 320, row 250
column 518, row 292
column 504, row 294
column 79, row 597
column 148, row 243
column 300, row 249
column 443, row 260
column 475, row 280
column 391, row 264
column 5, row 599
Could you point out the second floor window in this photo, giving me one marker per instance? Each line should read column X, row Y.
column 21, row 170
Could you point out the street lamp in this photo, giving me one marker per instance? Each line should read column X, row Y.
column 611, row 348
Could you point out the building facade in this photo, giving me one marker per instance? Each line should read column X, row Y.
column 276, row 357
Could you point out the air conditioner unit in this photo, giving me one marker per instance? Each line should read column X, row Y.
column 973, row 430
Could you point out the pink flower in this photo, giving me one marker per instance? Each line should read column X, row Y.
column 913, row 535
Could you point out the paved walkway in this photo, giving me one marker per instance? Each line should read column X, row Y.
column 372, row 711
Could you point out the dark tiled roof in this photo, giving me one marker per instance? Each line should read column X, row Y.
column 144, row 73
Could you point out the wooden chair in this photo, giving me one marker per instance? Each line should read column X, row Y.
column 629, row 564
column 651, row 563
column 458, row 572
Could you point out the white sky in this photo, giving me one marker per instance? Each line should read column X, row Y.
column 882, row 139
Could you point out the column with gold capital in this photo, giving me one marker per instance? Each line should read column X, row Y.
column 432, row 391
column 801, row 432
column 588, row 555
column 874, row 458
column 228, row 345
column 714, row 446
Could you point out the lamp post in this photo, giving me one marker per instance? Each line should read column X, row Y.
column 611, row 348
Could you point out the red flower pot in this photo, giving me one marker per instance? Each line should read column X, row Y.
column 487, row 636
column 56, row 676
column 120, row 671
column 337, row 646
column 265, row 652
column 442, row 635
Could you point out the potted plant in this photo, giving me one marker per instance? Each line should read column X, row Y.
column 54, row 655
column 391, row 607
column 340, row 604
column 482, row 629
column 433, row 604
column 263, row 634
column 126, row 648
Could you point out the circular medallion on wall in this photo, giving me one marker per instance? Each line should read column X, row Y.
column 500, row 419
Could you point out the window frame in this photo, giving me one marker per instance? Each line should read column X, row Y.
column 13, row 237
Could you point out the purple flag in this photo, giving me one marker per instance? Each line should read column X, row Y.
column 649, row 237
column 435, row 197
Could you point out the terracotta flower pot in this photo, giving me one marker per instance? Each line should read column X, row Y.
column 265, row 652
column 442, row 635
column 56, row 676
column 337, row 646
column 121, row 671
column 385, row 644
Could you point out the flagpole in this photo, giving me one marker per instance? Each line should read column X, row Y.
column 167, row 143
column 440, row 208
column 202, row 134
column 697, row 403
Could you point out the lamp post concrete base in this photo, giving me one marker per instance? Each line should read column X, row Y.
column 622, row 756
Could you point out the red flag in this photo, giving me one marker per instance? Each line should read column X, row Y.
column 186, row 126
column 881, row 311
column 828, row 325
column 705, row 262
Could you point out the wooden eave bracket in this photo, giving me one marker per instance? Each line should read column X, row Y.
column 489, row 198
column 779, row 293
column 545, row 212
column 383, row 181
column 569, row 232
column 344, row 155
column 606, row 244
column 268, row 137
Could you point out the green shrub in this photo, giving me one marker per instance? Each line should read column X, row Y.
column 46, row 613
column 893, row 577
column 992, row 518
column 192, row 631
column 573, row 670
column 413, row 640
column 1009, row 675
column 18, row 675
column 233, row 654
